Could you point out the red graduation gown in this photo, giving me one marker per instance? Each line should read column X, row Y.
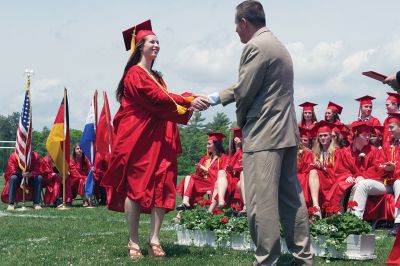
column 304, row 162
column 234, row 167
column 202, row 181
column 349, row 163
column 327, row 177
column 13, row 167
column 143, row 163
column 77, row 176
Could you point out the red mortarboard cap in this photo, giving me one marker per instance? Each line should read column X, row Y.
column 305, row 132
column 218, row 136
column 237, row 132
column 308, row 106
column 322, row 127
column 394, row 97
column 365, row 100
column 378, row 130
column 335, row 107
column 139, row 31
column 393, row 118
column 361, row 127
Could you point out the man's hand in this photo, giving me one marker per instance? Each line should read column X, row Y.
column 392, row 82
column 200, row 103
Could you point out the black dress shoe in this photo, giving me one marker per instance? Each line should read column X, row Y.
column 393, row 231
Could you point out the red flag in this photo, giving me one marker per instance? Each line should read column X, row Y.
column 104, row 132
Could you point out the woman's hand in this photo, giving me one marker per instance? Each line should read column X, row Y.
column 350, row 179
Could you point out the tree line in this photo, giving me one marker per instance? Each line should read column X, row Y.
column 193, row 138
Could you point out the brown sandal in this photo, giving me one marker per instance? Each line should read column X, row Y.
column 134, row 253
column 155, row 250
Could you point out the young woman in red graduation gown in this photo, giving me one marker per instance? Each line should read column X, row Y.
column 305, row 159
column 79, row 167
column 354, row 163
column 322, row 176
column 332, row 113
column 143, row 165
column 308, row 117
column 392, row 106
column 229, row 187
column 193, row 187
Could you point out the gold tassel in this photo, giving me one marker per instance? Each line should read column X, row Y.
column 181, row 110
column 385, row 182
column 133, row 41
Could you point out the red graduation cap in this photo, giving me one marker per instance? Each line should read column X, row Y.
column 364, row 100
column 393, row 118
column 394, row 97
column 323, row 127
column 308, row 106
column 378, row 130
column 335, row 107
column 237, row 132
column 217, row 136
column 361, row 127
column 305, row 132
column 136, row 33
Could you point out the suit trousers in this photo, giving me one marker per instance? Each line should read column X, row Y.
column 274, row 195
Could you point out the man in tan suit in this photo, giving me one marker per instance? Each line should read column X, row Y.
column 266, row 114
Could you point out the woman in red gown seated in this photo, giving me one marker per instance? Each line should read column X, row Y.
column 305, row 158
column 142, row 172
column 308, row 117
column 79, row 167
column 193, row 187
column 229, row 187
column 322, row 176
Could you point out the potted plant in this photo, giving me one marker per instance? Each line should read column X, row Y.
column 342, row 235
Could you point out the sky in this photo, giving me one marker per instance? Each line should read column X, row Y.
column 79, row 45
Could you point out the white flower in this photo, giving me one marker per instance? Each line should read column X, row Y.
column 362, row 155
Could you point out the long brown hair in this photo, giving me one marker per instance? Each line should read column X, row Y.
column 133, row 60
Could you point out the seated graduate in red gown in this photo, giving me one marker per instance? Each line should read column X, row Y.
column 13, row 176
column 376, row 137
column 52, row 181
column 354, row 163
column 387, row 180
column 305, row 159
column 308, row 117
column 392, row 106
column 193, row 187
column 340, row 135
column 142, row 172
column 100, row 168
column 79, row 167
column 230, row 183
column 365, row 111
column 332, row 113
column 322, row 176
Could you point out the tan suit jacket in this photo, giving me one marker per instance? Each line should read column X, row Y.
column 264, row 95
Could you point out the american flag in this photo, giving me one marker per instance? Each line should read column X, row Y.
column 24, row 133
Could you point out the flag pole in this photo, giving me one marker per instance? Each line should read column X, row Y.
column 28, row 73
column 64, row 174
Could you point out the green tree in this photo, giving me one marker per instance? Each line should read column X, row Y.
column 220, row 123
column 194, row 141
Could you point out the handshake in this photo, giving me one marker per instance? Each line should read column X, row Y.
column 200, row 103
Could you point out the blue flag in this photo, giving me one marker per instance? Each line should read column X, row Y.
column 88, row 147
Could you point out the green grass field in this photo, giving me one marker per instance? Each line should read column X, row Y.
column 97, row 236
